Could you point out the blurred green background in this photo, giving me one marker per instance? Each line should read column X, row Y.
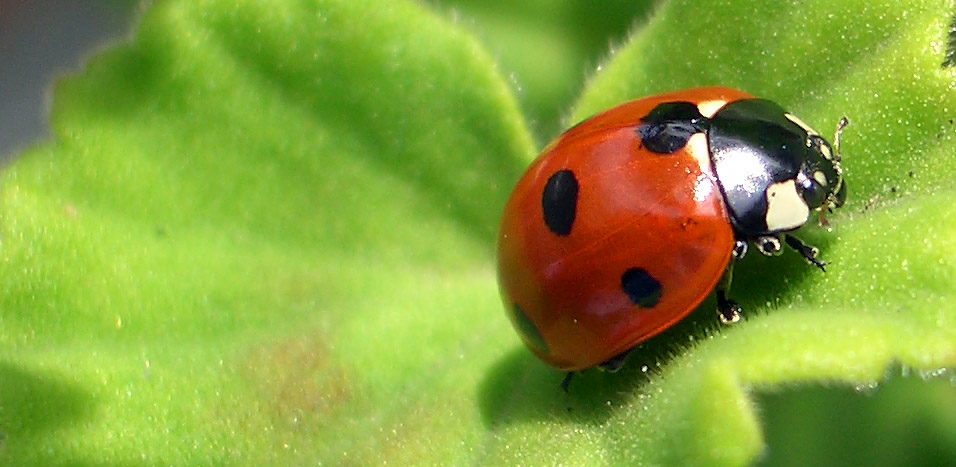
column 560, row 44
column 40, row 39
column 909, row 420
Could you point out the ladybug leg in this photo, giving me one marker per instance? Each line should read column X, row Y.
column 567, row 381
column 728, row 310
column 612, row 365
column 615, row 363
column 740, row 249
column 808, row 252
column 769, row 245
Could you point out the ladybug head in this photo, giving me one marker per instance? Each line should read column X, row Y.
column 820, row 178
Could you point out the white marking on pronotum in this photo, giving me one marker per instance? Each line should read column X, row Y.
column 786, row 210
column 820, row 178
column 705, row 184
column 697, row 147
column 801, row 124
column 710, row 108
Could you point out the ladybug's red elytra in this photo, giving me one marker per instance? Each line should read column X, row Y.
column 628, row 221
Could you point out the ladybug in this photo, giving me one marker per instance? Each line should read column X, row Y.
column 629, row 220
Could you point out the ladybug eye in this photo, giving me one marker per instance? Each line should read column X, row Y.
column 813, row 190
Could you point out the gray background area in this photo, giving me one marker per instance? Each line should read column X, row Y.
column 43, row 39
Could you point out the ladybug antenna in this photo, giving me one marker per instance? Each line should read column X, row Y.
column 836, row 137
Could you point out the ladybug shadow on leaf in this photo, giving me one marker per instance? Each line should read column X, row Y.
column 34, row 404
column 762, row 282
column 520, row 387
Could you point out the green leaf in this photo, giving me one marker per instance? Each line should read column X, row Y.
column 264, row 233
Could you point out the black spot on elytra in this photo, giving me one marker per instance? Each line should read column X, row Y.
column 949, row 59
column 669, row 126
column 559, row 202
column 528, row 329
column 643, row 290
